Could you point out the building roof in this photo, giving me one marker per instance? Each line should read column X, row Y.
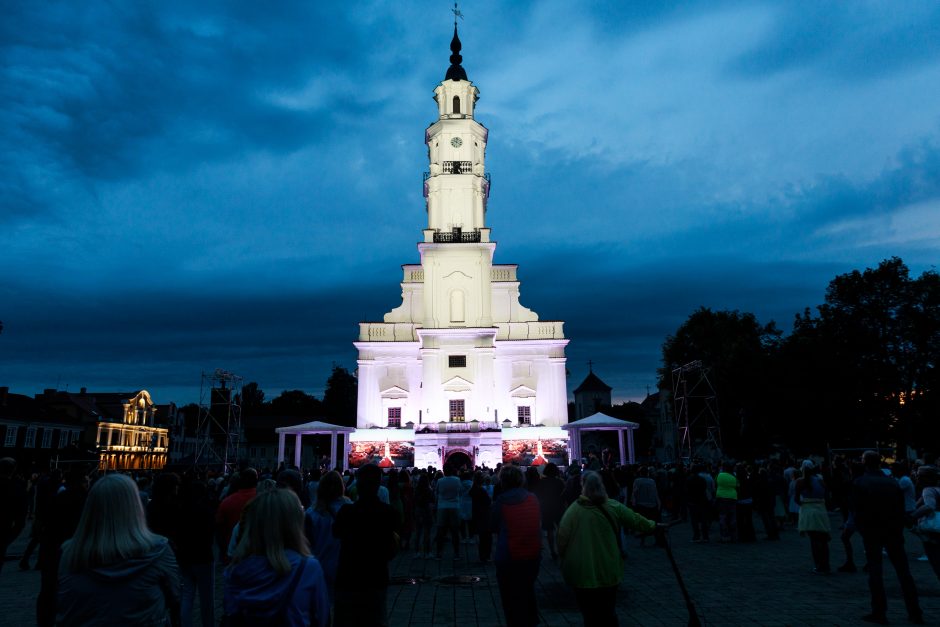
column 315, row 427
column 600, row 421
column 592, row 383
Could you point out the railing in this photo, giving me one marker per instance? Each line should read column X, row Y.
column 458, row 167
column 457, row 236
column 457, row 427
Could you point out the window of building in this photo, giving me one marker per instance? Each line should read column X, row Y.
column 76, row 436
column 10, row 440
column 46, row 438
column 63, row 438
column 394, row 417
column 252, row 452
column 456, row 410
column 456, row 104
column 457, row 361
column 30, row 441
column 524, row 413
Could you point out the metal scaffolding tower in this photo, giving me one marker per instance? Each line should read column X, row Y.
column 695, row 403
column 219, row 427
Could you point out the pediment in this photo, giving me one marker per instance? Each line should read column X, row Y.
column 395, row 392
column 522, row 391
column 456, row 273
column 458, row 384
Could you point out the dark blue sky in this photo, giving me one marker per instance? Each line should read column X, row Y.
column 189, row 186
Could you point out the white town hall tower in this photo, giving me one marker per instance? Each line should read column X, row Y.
column 460, row 368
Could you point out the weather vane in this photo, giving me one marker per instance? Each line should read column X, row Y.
column 457, row 13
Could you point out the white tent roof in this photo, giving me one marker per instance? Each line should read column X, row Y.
column 600, row 421
column 315, row 427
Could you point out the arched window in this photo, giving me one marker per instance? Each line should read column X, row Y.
column 456, row 104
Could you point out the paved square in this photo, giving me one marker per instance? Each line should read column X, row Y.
column 763, row 583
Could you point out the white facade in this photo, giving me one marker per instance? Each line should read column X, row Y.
column 460, row 348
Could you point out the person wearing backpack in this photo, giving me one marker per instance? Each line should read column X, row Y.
column 591, row 550
column 273, row 579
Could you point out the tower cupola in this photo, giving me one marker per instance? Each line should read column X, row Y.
column 455, row 72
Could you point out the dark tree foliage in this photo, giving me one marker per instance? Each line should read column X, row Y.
column 252, row 399
column 296, row 403
column 340, row 397
column 736, row 350
column 861, row 372
column 865, row 367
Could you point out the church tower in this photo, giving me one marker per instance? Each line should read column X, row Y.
column 460, row 355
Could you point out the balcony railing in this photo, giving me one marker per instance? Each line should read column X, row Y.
column 458, row 167
column 457, row 236
column 457, row 427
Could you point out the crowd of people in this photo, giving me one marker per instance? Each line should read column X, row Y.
column 313, row 548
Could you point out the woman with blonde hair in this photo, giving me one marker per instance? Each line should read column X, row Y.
column 114, row 570
column 272, row 578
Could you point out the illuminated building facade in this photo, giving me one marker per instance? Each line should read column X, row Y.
column 460, row 368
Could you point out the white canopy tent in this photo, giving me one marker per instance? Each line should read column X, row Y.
column 314, row 428
column 601, row 422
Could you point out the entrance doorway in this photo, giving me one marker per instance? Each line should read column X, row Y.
column 459, row 460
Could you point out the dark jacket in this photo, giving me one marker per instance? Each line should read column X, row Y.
column 256, row 589
column 877, row 503
column 142, row 591
column 365, row 530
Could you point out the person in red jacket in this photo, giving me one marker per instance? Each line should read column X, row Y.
column 516, row 520
column 230, row 510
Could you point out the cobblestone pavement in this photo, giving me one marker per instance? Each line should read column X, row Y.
column 763, row 583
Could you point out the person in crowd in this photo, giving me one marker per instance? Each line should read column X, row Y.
column 194, row 555
column 726, row 498
column 645, row 497
column 572, row 485
column 273, row 579
column 901, row 473
column 15, row 505
column 928, row 480
column 293, row 480
column 368, row 535
column 114, row 570
column 466, row 507
column 515, row 520
column 589, row 542
column 313, row 485
column 856, row 470
column 699, row 505
column 744, row 513
column 810, row 491
column 230, row 509
column 424, row 515
column 407, row 495
column 764, row 499
column 448, row 491
column 549, row 493
column 264, row 485
column 163, row 510
column 46, row 489
column 877, row 503
column 480, row 517
column 64, row 516
column 318, row 526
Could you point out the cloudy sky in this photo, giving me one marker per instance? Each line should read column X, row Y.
column 187, row 186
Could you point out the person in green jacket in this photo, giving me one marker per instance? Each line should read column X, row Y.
column 590, row 546
column 726, row 497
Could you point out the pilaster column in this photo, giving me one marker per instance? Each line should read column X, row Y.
column 297, row 445
column 280, row 448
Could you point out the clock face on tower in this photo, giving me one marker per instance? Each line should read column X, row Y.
column 456, row 142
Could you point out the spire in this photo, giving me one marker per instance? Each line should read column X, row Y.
column 455, row 72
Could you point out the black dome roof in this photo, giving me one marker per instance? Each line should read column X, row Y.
column 455, row 72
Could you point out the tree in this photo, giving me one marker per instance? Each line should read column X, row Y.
column 865, row 366
column 296, row 403
column 252, row 399
column 737, row 350
column 341, row 397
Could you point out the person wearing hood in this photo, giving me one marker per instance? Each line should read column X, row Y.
column 591, row 549
column 516, row 520
column 114, row 570
column 273, row 579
